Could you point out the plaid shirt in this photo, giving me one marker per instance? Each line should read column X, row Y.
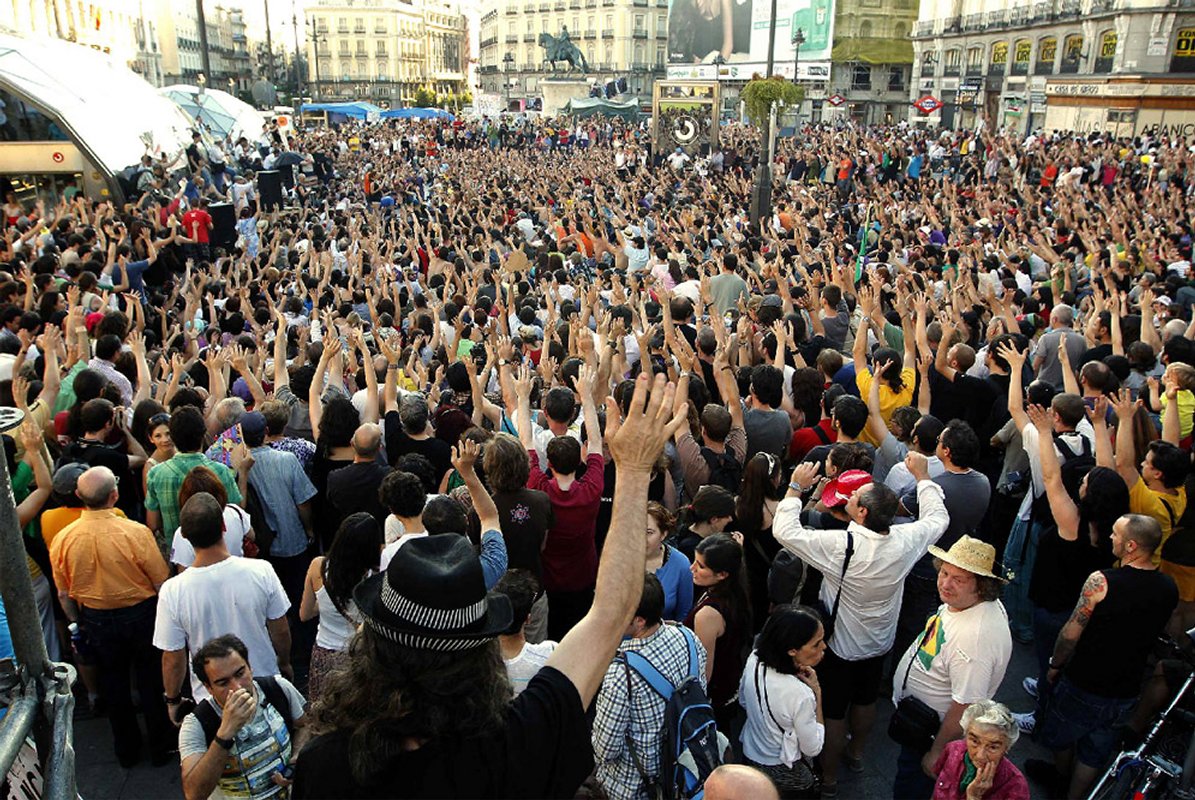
column 637, row 715
column 165, row 479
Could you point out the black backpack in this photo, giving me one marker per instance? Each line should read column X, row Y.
column 263, row 534
column 273, row 695
column 1073, row 468
column 725, row 470
column 689, row 727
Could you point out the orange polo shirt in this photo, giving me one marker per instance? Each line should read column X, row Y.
column 104, row 562
column 54, row 520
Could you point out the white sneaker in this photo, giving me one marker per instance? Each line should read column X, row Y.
column 1026, row 722
column 1030, row 687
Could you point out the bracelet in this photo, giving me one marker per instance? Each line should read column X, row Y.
column 1051, row 665
column 796, row 487
column 225, row 743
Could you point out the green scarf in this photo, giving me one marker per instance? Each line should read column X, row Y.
column 969, row 773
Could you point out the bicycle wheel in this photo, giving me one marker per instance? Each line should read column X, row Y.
column 1121, row 786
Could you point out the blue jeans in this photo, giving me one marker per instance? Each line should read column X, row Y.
column 911, row 782
column 1020, row 554
column 1085, row 721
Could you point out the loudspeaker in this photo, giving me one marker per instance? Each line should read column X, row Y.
column 288, row 175
column 224, row 225
column 269, row 189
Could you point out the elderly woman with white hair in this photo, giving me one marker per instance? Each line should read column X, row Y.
column 977, row 767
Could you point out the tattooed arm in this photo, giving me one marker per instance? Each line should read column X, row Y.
column 1094, row 590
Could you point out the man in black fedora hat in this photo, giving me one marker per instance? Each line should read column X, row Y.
column 424, row 709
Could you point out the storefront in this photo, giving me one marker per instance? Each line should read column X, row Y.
column 1126, row 105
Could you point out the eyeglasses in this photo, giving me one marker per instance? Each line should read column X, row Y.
column 161, row 418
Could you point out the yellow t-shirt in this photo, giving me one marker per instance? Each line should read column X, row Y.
column 1186, row 411
column 889, row 400
column 1167, row 509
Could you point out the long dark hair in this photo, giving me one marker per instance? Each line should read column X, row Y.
column 388, row 693
column 759, row 484
column 788, row 627
column 722, row 553
column 356, row 549
column 338, row 423
column 709, row 502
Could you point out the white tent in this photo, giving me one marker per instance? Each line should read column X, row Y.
column 112, row 114
column 219, row 112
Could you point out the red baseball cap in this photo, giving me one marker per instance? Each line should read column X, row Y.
column 840, row 489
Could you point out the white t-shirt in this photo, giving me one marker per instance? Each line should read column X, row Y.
column 962, row 660
column 389, row 550
column 522, row 668
column 236, row 595
column 236, row 525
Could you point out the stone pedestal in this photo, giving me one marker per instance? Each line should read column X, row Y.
column 558, row 91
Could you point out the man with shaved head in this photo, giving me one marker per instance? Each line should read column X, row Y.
column 355, row 487
column 739, row 782
column 108, row 570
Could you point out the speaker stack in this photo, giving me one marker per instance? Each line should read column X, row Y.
column 269, row 189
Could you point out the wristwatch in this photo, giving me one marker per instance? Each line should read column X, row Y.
column 172, row 701
column 796, row 487
column 225, row 743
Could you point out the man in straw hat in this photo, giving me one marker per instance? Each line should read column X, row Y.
column 424, row 707
column 958, row 659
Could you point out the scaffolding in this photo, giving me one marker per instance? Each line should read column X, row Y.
column 35, row 692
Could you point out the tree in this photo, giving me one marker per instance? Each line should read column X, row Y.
column 424, row 97
column 760, row 94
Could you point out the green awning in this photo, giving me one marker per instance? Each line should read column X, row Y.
column 873, row 50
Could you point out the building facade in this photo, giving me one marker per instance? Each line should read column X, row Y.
column 385, row 51
column 619, row 39
column 871, row 63
column 1017, row 65
column 231, row 66
column 125, row 30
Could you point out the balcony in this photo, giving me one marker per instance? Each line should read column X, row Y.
column 512, row 38
column 1043, row 68
column 512, row 11
column 589, row 34
column 1019, row 15
column 924, row 28
column 927, row 70
column 529, row 8
column 639, row 34
column 951, row 70
column 1069, row 8
column 490, row 42
column 995, row 19
column 591, row 3
column 1102, row 6
column 359, row 29
column 952, row 24
column 1019, row 68
column 529, row 37
column 575, row 5
column 1043, row 10
column 608, row 33
column 560, row 5
column 342, row 29
column 996, row 70
column 973, row 22
column 975, row 70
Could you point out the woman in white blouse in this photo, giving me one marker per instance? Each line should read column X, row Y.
column 783, row 701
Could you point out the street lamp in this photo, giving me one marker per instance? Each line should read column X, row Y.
column 507, row 60
column 313, row 33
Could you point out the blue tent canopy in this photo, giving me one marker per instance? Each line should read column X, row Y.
column 417, row 113
column 338, row 112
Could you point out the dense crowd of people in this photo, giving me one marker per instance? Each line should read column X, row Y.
column 501, row 440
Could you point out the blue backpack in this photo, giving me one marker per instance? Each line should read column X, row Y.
column 689, row 749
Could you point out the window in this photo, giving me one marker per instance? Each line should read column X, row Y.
column 1183, row 58
column 896, row 79
column 975, row 61
column 1107, row 52
column 1021, row 53
column 1072, row 54
column 865, row 29
column 861, row 76
column 900, row 31
column 953, row 63
column 1047, row 51
column 999, row 58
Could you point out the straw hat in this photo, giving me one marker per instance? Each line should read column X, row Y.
column 970, row 554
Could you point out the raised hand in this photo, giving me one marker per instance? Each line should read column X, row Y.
column 465, row 455
column 1041, row 420
column 637, row 441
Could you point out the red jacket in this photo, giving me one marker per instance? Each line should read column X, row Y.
column 569, row 556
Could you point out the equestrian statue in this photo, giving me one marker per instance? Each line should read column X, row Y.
column 561, row 48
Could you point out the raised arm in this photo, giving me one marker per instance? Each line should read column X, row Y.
column 1061, row 505
column 315, row 405
column 635, row 444
column 1016, row 399
column 1126, row 450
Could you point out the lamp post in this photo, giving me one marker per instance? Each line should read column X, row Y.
column 797, row 40
column 761, row 190
column 314, row 34
column 507, row 60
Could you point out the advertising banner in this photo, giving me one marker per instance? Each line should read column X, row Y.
column 698, row 33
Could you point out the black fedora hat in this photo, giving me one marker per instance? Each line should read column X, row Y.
column 433, row 597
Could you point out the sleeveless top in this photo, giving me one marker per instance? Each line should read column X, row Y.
column 729, row 653
column 335, row 629
column 1126, row 622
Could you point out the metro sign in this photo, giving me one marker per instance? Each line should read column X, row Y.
column 928, row 104
column 836, row 100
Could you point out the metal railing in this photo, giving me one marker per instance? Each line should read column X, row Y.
column 36, row 692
